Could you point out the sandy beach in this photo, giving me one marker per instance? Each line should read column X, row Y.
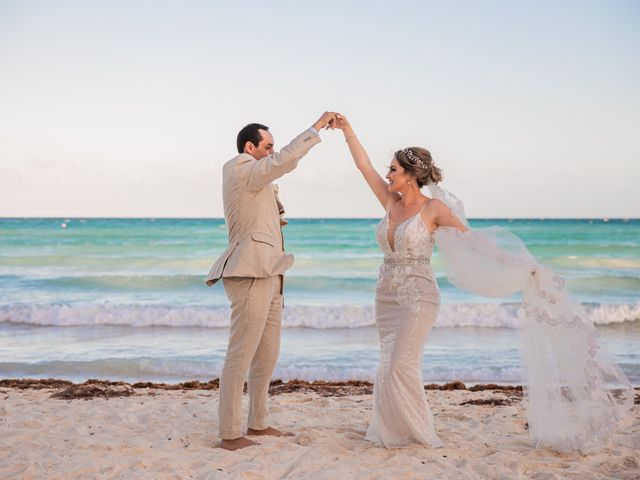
column 55, row 429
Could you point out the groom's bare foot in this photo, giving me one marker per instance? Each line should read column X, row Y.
column 237, row 443
column 273, row 432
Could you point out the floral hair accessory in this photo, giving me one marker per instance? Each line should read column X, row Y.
column 414, row 158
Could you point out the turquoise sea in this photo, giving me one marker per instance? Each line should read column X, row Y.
column 125, row 299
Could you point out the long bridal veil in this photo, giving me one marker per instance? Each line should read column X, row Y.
column 575, row 394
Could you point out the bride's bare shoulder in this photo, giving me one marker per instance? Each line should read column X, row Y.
column 437, row 205
column 433, row 213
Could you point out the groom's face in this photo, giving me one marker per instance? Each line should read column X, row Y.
column 264, row 148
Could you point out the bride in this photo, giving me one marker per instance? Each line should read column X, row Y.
column 407, row 296
column 575, row 394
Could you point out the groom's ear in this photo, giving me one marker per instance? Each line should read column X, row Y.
column 248, row 147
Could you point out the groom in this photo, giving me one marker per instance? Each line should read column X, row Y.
column 252, row 270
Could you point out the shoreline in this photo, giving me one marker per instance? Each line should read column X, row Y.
column 276, row 387
column 111, row 388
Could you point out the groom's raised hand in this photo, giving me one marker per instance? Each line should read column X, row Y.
column 325, row 121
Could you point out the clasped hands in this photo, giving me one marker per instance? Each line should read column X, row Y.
column 331, row 120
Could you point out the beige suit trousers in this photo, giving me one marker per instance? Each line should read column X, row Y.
column 254, row 345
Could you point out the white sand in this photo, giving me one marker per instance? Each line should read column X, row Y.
column 162, row 434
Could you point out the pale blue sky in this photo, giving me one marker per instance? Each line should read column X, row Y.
column 130, row 108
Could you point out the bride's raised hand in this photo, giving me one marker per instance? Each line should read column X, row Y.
column 341, row 122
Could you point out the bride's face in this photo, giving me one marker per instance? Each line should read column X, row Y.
column 397, row 177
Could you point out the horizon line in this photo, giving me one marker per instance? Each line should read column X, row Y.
column 69, row 218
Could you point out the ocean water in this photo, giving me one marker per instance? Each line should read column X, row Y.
column 125, row 299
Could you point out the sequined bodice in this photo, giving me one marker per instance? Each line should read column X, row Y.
column 406, row 272
column 411, row 241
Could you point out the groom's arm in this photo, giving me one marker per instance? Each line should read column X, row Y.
column 266, row 170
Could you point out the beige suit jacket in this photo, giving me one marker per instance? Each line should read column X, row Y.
column 253, row 212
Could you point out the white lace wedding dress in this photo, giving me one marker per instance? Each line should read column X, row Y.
column 407, row 304
column 575, row 394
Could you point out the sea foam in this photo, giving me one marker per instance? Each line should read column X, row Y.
column 484, row 315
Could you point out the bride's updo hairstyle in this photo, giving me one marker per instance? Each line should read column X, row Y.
column 418, row 163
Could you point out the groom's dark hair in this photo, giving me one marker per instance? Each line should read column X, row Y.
column 250, row 133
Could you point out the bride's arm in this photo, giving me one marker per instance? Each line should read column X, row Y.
column 376, row 183
column 443, row 216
